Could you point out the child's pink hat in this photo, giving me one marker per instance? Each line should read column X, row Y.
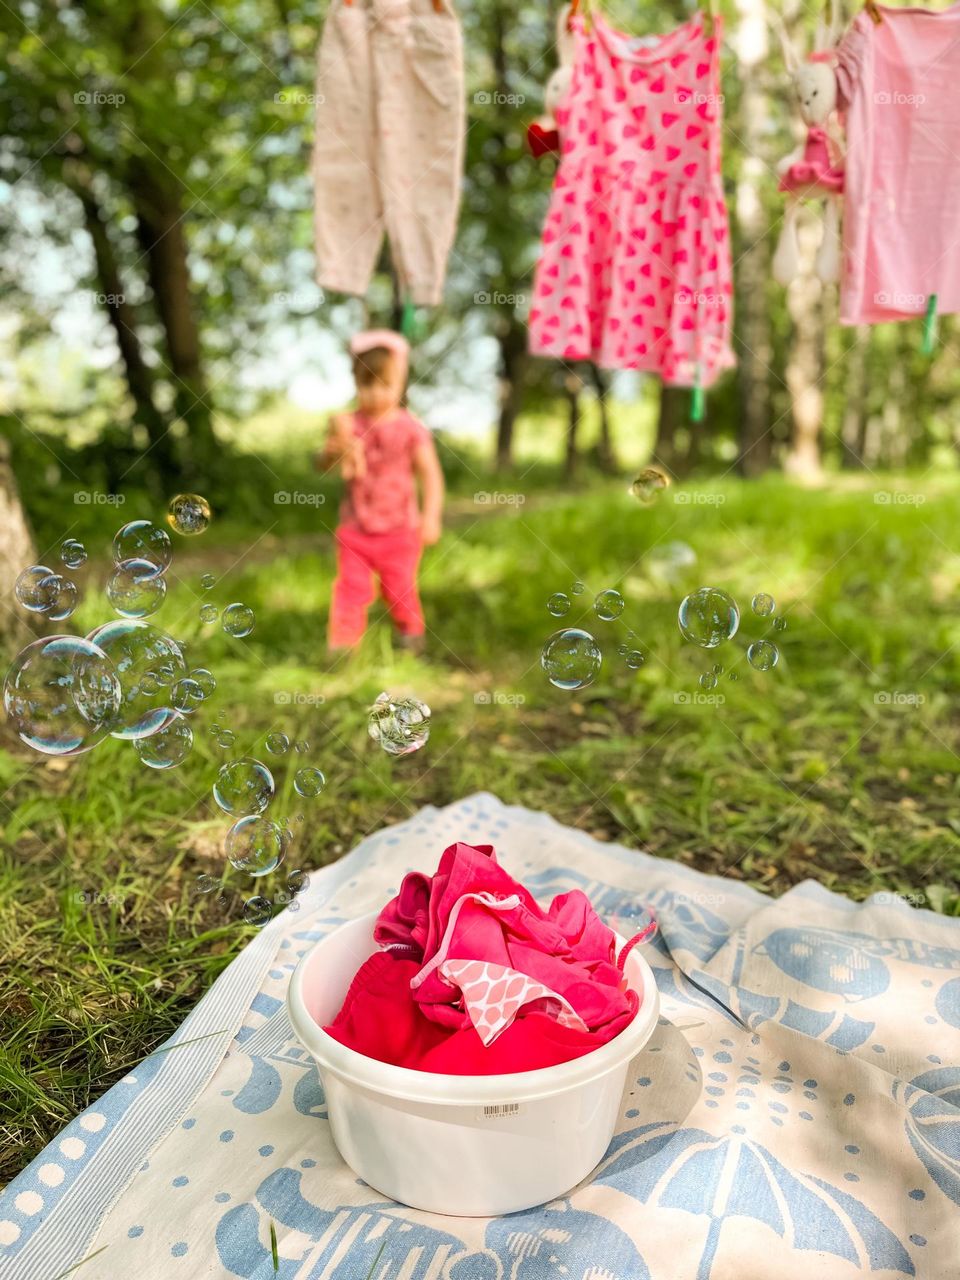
column 389, row 338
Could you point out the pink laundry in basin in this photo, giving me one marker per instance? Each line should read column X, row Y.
column 476, row 973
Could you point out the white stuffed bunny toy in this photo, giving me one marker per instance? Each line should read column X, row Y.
column 543, row 135
column 815, row 170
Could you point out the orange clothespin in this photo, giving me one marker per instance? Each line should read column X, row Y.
column 874, row 12
column 574, row 6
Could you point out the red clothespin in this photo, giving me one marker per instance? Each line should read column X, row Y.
column 574, row 6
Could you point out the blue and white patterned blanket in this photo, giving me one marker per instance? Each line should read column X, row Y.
column 796, row 1114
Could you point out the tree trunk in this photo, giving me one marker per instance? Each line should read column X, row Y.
column 754, row 344
column 674, row 412
column 606, row 455
column 160, row 231
column 854, row 424
column 16, row 551
column 572, row 385
column 123, row 320
column 512, row 339
column 806, row 359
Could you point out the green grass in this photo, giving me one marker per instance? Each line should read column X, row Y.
column 839, row 765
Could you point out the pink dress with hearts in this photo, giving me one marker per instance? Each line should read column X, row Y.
column 635, row 268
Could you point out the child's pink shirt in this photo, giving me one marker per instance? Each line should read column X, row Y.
column 899, row 87
column 385, row 498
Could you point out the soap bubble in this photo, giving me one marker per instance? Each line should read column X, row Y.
column 301, row 746
column 254, row 844
column 608, row 605
column 136, row 589
column 227, row 738
column 718, row 668
column 779, row 624
column 188, row 514
column 763, row 654
column 168, row 747
column 136, row 648
column 37, row 588
column 243, row 786
column 238, row 620
column 297, row 880
column 708, row 617
column 209, row 613
column 734, row 675
column 72, row 553
column 205, row 679
column 186, row 695
column 277, row 743
column 558, row 604
column 762, row 604
column 66, row 600
column 649, row 484
column 208, row 581
column 578, row 588
column 205, row 884
column 308, row 782
column 257, row 911
column 400, row 725
column 634, row 659
column 142, row 540
column 708, row 680
column 670, row 562
column 61, row 693
column 623, row 650
column 571, row 658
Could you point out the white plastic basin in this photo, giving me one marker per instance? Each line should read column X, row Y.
column 470, row 1145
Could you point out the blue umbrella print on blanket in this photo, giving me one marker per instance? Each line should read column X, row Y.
column 730, row 1176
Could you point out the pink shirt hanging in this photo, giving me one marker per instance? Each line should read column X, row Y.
column 899, row 86
column 635, row 270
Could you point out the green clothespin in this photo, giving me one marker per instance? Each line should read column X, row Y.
column 408, row 320
column 930, row 326
column 698, row 401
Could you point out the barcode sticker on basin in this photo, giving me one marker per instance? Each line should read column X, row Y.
column 499, row 1111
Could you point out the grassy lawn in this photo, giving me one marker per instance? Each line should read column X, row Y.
column 838, row 765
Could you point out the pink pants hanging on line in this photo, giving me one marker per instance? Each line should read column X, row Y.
column 393, row 558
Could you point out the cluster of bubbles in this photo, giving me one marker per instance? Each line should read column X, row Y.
column 399, row 725
column 41, row 590
column 571, row 658
column 708, row 617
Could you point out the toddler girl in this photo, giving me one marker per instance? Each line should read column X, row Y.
column 382, row 450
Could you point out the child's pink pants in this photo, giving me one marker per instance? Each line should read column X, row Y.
column 393, row 558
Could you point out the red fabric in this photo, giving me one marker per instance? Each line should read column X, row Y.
column 393, row 558
column 399, row 1008
column 542, row 141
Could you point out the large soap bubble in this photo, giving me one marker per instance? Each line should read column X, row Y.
column 139, row 650
column 188, row 514
column 168, row 747
column 254, row 844
column 244, row 786
column 143, row 540
column 400, row 725
column 136, row 589
column 708, row 617
column 37, row 588
column 571, row 658
column 62, row 693
column 66, row 600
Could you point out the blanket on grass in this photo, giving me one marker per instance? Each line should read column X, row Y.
column 796, row 1113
